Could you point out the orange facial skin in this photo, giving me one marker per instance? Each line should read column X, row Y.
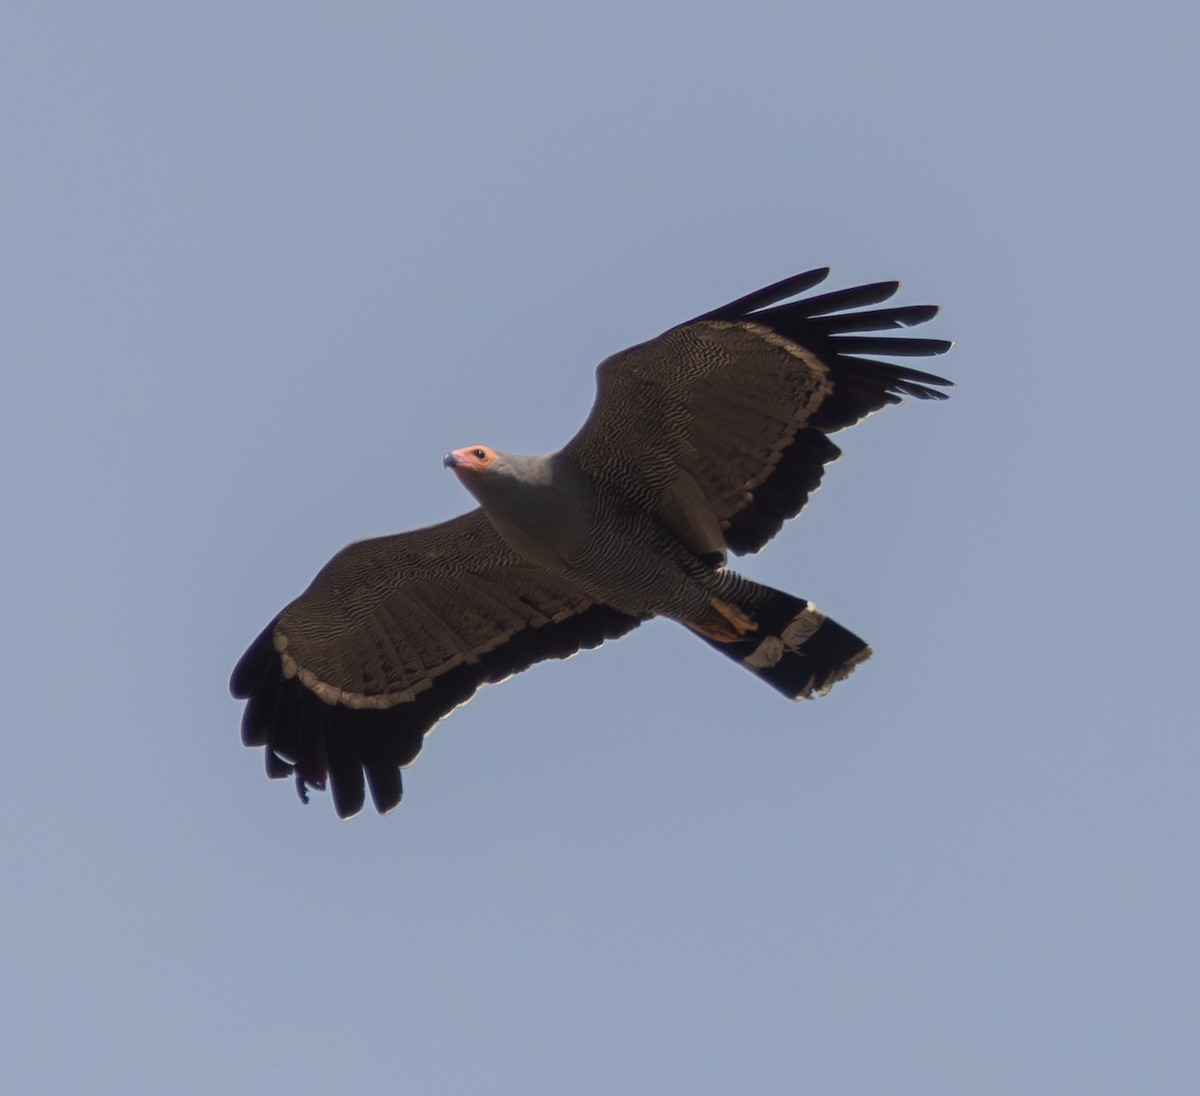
column 473, row 458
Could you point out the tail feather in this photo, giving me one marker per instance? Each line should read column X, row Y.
column 795, row 648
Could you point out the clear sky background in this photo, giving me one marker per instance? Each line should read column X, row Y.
column 263, row 264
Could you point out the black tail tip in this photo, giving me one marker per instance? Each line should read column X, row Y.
column 808, row 656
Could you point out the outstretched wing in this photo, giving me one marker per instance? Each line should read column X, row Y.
column 393, row 634
column 722, row 423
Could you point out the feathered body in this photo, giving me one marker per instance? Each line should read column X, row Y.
column 701, row 442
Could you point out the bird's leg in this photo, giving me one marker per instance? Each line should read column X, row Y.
column 723, row 621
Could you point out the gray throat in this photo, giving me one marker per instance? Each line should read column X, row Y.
column 542, row 506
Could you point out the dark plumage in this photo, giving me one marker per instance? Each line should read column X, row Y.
column 701, row 441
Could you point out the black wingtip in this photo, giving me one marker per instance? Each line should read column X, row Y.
column 386, row 787
column 890, row 347
column 839, row 300
column 887, row 319
column 836, row 326
column 768, row 295
column 897, row 379
column 254, row 665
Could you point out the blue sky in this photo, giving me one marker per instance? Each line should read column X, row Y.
column 263, row 264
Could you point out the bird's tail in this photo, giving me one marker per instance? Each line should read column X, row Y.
column 782, row 639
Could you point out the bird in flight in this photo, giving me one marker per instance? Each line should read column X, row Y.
column 701, row 442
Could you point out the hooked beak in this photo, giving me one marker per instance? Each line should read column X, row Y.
column 450, row 461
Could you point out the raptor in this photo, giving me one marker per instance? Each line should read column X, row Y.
column 701, row 443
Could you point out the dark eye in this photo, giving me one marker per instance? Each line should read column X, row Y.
column 480, row 454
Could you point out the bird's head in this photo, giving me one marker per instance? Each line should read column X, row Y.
column 471, row 461
column 500, row 480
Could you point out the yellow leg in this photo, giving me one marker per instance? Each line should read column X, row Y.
column 724, row 622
